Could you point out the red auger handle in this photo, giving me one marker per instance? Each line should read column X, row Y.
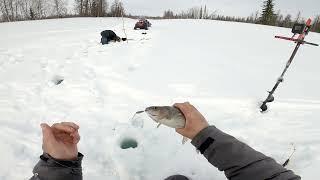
column 309, row 21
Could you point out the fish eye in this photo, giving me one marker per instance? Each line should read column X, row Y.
column 155, row 108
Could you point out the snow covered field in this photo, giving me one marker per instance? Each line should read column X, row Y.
column 223, row 68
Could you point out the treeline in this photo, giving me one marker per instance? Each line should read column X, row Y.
column 192, row 13
column 19, row 10
column 99, row 8
column 267, row 16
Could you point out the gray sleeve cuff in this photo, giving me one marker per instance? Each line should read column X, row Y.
column 202, row 136
column 49, row 168
column 63, row 163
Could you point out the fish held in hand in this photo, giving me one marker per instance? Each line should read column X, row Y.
column 168, row 116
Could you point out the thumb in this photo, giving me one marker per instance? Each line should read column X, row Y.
column 47, row 133
column 183, row 107
column 181, row 131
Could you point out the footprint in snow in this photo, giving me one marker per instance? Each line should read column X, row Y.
column 133, row 67
column 19, row 58
column 89, row 73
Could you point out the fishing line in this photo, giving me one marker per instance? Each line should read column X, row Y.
column 138, row 112
column 123, row 28
column 288, row 160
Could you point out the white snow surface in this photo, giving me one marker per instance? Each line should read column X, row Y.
column 223, row 68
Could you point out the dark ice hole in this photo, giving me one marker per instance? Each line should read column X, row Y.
column 128, row 143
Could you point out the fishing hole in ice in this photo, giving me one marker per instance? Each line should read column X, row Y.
column 57, row 80
column 127, row 143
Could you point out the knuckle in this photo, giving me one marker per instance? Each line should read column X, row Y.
column 55, row 124
column 65, row 123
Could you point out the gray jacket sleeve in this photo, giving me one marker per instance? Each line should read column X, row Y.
column 49, row 168
column 238, row 160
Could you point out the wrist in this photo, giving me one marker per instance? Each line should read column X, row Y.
column 64, row 157
column 199, row 131
column 203, row 135
column 75, row 163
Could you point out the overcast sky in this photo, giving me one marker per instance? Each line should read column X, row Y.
column 308, row 8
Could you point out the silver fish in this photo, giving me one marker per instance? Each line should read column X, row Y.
column 167, row 115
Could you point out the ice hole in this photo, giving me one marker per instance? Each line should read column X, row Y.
column 128, row 143
column 57, row 80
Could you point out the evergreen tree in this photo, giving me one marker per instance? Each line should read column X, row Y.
column 32, row 15
column 268, row 16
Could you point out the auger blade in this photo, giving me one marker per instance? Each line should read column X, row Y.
column 263, row 107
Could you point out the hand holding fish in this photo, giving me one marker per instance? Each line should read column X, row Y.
column 195, row 122
column 184, row 117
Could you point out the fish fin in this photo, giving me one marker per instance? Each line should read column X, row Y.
column 159, row 125
column 184, row 140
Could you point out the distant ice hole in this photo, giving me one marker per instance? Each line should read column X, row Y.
column 127, row 143
column 57, row 80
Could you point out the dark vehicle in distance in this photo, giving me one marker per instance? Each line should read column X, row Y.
column 142, row 24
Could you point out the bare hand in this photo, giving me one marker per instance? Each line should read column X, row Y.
column 195, row 122
column 60, row 140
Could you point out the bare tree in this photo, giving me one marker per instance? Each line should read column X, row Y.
column 298, row 17
column 98, row 8
column 103, row 8
column 10, row 6
column 32, row 14
column 205, row 12
column 60, row 7
column 168, row 14
column 79, row 7
column 95, row 8
column 24, row 9
column 1, row 12
column 250, row 19
column 287, row 22
column 278, row 18
column 256, row 17
column 5, row 10
column 14, row 10
column 316, row 24
column 40, row 8
column 86, row 7
column 117, row 9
